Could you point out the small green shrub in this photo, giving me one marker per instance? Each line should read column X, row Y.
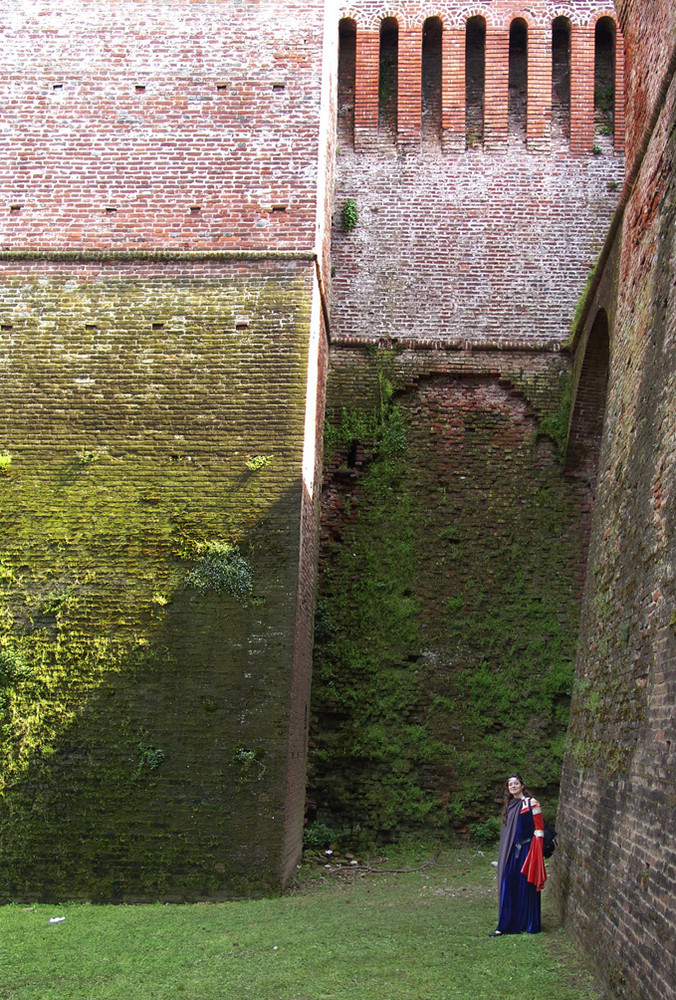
column 150, row 757
column 249, row 762
column 5, row 460
column 488, row 831
column 13, row 667
column 222, row 568
column 318, row 837
column 257, row 462
column 350, row 215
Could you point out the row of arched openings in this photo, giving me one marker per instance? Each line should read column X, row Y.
column 475, row 77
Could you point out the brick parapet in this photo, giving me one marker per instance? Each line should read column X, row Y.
column 582, row 16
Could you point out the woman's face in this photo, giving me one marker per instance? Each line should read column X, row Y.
column 514, row 786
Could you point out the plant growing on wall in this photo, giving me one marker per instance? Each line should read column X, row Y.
column 222, row 567
column 350, row 215
column 257, row 462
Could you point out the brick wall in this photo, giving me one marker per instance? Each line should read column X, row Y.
column 459, row 242
column 616, row 865
column 166, row 171
column 187, row 125
column 497, row 18
column 449, row 579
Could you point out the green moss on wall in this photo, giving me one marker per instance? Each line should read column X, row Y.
column 132, row 411
column 448, row 603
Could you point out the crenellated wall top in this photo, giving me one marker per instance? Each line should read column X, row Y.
column 368, row 14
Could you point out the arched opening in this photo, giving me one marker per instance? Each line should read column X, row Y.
column 431, row 78
column 518, row 77
column 388, row 77
column 604, row 77
column 475, row 79
column 561, row 76
column 586, row 427
column 347, row 61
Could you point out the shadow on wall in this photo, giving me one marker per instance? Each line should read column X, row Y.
column 158, row 770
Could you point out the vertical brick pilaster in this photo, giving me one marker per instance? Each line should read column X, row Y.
column 581, row 89
column 453, row 90
column 539, row 120
column 366, row 87
column 496, row 114
column 409, row 94
column 619, row 92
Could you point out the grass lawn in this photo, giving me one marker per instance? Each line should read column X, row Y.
column 342, row 933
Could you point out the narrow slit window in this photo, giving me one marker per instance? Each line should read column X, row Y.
column 475, row 80
column 347, row 62
column 388, row 77
column 518, row 77
column 561, row 76
column 604, row 77
column 431, row 78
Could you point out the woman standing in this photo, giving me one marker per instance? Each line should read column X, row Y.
column 521, row 866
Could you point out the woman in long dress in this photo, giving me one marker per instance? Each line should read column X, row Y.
column 521, row 866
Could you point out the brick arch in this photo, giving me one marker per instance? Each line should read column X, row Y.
column 475, row 10
column 564, row 10
column 521, row 15
column 601, row 13
column 388, row 10
column 424, row 13
column 359, row 18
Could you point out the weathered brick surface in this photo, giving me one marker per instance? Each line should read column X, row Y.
column 160, row 124
column 482, row 582
column 142, row 378
column 134, row 396
column 649, row 30
column 484, row 244
column 616, row 867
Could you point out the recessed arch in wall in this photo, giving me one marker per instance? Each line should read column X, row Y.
column 561, row 33
column 475, row 79
column 432, row 34
column 347, row 60
column 388, row 75
column 586, row 425
column 518, row 77
column 604, row 75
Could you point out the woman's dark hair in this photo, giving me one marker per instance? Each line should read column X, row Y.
column 508, row 794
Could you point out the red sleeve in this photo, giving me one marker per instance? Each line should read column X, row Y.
column 534, row 865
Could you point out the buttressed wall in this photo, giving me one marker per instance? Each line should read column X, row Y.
column 165, row 175
column 616, row 867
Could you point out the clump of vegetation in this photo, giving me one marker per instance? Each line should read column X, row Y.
column 555, row 425
column 318, row 837
column 488, row 831
column 13, row 667
column 222, row 567
column 5, row 460
column 257, row 462
column 350, row 215
column 249, row 763
column 150, row 758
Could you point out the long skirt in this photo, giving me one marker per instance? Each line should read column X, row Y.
column 519, row 899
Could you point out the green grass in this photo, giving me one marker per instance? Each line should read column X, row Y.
column 344, row 933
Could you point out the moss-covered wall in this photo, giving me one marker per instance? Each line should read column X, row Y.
column 154, row 415
column 449, row 587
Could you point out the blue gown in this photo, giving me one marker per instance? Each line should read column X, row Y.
column 519, row 899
